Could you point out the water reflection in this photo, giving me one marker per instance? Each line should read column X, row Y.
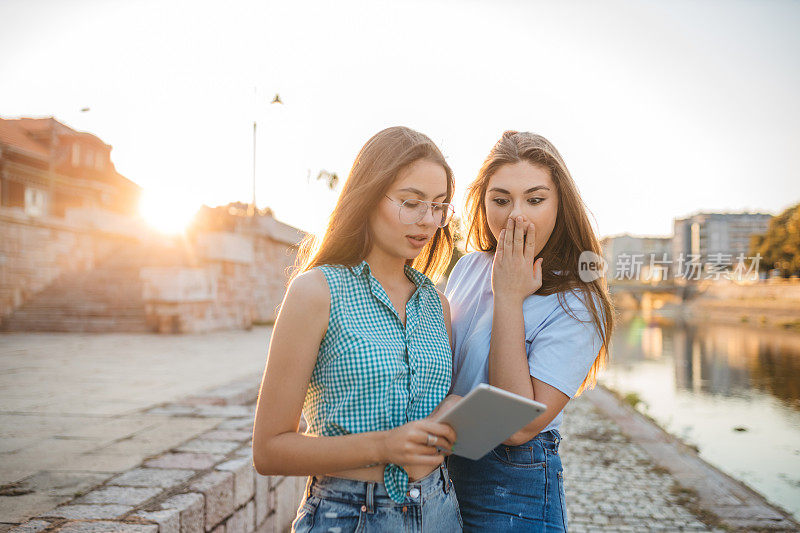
column 719, row 360
column 731, row 391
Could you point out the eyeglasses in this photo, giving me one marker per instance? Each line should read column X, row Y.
column 412, row 211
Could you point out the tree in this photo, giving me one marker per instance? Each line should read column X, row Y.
column 780, row 245
column 331, row 179
column 457, row 230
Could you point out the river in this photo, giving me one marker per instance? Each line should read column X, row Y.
column 733, row 392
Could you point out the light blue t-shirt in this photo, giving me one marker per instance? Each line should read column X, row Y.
column 561, row 349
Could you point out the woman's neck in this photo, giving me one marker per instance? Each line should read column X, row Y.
column 387, row 269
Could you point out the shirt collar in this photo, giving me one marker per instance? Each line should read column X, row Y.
column 359, row 268
column 418, row 278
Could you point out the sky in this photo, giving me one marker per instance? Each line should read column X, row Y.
column 659, row 108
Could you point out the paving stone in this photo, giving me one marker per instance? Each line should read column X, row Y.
column 269, row 525
column 152, row 477
column 217, row 488
column 40, row 493
column 193, row 461
column 243, row 479
column 236, row 523
column 261, row 498
column 191, row 509
column 192, row 401
column 109, row 463
column 124, row 495
column 29, row 506
column 90, row 512
column 227, row 434
column 242, row 521
column 31, row 526
column 172, row 410
column 60, row 483
column 245, row 451
column 168, row 520
column 234, row 393
column 287, row 497
column 224, row 411
column 107, row 527
column 237, row 423
column 208, row 446
column 159, row 437
column 250, row 515
column 219, row 529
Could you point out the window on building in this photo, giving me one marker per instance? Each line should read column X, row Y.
column 76, row 154
column 35, row 202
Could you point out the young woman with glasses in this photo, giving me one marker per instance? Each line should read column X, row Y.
column 527, row 319
column 362, row 347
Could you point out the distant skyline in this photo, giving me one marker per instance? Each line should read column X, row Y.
column 660, row 109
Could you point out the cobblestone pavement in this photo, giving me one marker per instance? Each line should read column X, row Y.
column 610, row 482
column 73, row 406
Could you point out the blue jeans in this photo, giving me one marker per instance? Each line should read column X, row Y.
column 513, row 488
column 345, row 505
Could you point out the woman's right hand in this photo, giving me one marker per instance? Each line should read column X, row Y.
column 516, row 273
column 409, row 444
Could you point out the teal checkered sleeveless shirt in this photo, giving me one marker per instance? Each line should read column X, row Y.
column 372, row 373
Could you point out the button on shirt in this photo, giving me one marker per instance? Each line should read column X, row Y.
column 560, row 348
column 372, row 372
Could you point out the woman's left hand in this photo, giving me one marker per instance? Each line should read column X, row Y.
column 515, row 273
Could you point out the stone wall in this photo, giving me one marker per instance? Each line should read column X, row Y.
column 208, row 280
column 274, row 267
column 240, row 280
column 34, row 251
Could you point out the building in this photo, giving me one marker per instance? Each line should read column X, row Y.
column 717, row 238
column 46, row 168
column 76, row 256
column 637, row 258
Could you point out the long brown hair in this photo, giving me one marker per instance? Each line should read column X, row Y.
column 572, row 234
column 348, row 238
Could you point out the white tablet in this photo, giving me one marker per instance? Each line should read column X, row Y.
column 486, row 417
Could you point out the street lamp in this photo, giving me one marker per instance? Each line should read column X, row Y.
column 252, row 210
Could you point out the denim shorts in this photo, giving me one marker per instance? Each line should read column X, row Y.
column 513, row 488
column 339, row 505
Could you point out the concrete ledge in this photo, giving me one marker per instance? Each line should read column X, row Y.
column 734, row 505
column 206, row 484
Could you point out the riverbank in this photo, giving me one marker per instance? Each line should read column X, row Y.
column 716, row 499
column 121, row 469
column 728, row 391
column 774, row 304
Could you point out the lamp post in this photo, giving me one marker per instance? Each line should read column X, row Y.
column 252, row 210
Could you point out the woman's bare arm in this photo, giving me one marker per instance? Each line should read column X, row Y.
column 515, row 276
column 277, row 447
column 554, row 399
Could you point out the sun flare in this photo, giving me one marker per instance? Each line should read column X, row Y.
column 165, row 212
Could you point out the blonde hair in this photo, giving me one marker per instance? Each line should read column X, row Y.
column 348, row 239
column 572, row 234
